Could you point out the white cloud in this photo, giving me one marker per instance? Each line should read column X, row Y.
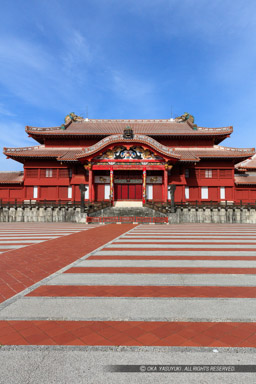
column 5, row 112
column 12, row 134
column 129, row 88
column 41, row 76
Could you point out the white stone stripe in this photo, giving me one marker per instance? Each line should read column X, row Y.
column 28, row 238
column 46, row 228
column 191, row 233
column 174, row 253
column 11, row 246
column 186, row 237
column 38, row 231
column 20, row 241
column 49, row 233
column 169, row 263
column 131, row 308
column 219, row 280
column 188, row 246
column 28, row 233
column 178, row 241
column 194, row 229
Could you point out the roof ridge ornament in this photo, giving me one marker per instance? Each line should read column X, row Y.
column 128, row 133
column 73, row 117
column 187, row 117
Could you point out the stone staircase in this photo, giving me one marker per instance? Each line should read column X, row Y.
column 127, row 211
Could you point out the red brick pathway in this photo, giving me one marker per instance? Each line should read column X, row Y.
column 21, row 268
column 125, row 333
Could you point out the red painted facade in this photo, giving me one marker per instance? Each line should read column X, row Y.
column 115, row 167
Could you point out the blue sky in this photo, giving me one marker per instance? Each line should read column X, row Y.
column 127, row 59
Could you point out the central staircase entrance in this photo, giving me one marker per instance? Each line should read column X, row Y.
column 127, row 215
column 128, row 204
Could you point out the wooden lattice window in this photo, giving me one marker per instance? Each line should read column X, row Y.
column 208, row 173
column 32, row 173
column 63, row 172
column 225, row 173
column 48, row 172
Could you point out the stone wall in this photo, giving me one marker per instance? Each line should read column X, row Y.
column 42, row 214
column 182, row 215
column 218, row 215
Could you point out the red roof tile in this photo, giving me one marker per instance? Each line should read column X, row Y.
column 215, row 152
column 245, row 179
column 11, row 177
column 70, row 155
column 43, row 152
column 247, row 164
column 145, row 127
column 183, row 154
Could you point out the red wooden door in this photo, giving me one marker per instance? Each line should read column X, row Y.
column 125, row 192
column 157, row 192
column 138, row 195
column 128, row 192
column 118, row 191
column 132, row 192
column 99, row 192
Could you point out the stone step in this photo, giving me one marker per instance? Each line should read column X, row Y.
column 128, row 204
column 127, row 211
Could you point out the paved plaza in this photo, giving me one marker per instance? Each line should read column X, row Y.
column 76, row 298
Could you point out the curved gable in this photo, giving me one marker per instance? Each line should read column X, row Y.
column 143, row 140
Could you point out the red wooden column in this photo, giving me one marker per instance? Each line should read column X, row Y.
column 144, row 179
column 90, row 186
column 165, row 185
column 111, row 185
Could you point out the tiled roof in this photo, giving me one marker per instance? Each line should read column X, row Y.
column 70, row 155
column 42, row 152
column 11, row 177
column 214, row 152
column 183, row 154
column 246, row 179
column 247, row 164
column 145, row 127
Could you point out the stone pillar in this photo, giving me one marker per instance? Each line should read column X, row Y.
column 111, row 185
column 172, row 189
column 82, row 190
column 144, row 180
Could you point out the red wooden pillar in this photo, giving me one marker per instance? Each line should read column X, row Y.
column 165, row 185
column 111, row 185
column 144, row 180
column 90, row 186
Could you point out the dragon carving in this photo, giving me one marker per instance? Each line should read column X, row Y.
column 73, row 117
column 186, row 116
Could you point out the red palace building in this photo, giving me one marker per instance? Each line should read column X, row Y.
column 130, row 160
